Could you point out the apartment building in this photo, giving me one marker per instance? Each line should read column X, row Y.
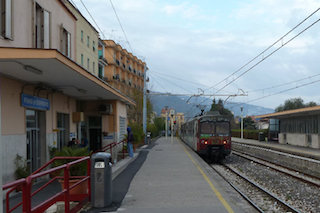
column 46, row 97
column 124, row 71
column 87, row 38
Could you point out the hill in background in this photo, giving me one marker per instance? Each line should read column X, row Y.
column 179, row 103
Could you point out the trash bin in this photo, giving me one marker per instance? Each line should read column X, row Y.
column 261, row 136
column 101, row 180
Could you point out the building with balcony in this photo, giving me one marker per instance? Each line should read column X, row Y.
column 123, row 71
column 46, row 97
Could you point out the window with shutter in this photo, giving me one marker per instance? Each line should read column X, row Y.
column 46, row 29
column 6, row 18
column 42, row 27
column 65, row 42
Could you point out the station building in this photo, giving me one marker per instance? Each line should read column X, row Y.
column 300, row 127
column 46, row 97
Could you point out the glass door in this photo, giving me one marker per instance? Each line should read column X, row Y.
column 33, row 143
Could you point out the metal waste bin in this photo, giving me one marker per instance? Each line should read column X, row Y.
column 101, row 180
column 261, row 136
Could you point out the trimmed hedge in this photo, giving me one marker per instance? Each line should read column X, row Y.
column 249, row 133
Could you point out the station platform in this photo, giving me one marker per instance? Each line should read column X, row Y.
column 291, row 149
column 174, row 178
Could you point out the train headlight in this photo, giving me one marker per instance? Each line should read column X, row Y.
column 206, row 142
column 224, row 142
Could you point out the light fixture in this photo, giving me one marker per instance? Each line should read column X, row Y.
column 32, row 69
column 83, row 91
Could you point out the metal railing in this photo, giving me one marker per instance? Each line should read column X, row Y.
column 110, row 147
column 64, row 195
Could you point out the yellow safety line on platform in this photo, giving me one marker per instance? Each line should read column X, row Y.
column 217, row 193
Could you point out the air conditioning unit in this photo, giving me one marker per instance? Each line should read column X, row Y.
column 105, row 109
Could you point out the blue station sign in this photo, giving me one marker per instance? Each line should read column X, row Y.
column 34, row 102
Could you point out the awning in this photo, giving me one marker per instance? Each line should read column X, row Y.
column 51, row 68
column 292, row 113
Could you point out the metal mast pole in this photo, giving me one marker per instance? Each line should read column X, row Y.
column 144, row 119
column 241, row 122
column 166, row 107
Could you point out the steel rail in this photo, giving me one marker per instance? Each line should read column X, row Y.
column 288, row 168
column 276, row 149
column 291, row 208
column 274, row 167
column 238, row 190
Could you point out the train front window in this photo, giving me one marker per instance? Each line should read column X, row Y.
column 207, row 128
column 222, row 128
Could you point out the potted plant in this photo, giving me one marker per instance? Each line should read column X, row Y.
column 22, row 169
column 79, row 169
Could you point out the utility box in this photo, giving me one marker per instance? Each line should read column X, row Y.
column 101, row 180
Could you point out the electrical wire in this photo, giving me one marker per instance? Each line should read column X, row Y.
column 260, row 54
column 92, row 18
column 284, row 84
column 269, row 55
column 170, row 80
column 154, row 79
column 124, row 33
column 283, row 91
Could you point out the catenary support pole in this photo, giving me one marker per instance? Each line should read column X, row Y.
column 144, row 119
column 241, row 122
column 171, row 128
column 166, row 107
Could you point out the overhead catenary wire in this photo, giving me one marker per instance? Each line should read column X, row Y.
column 264, row 58
column 283, row 91
column 264, row 51
column 124, row 33
column 284, row 84
column 92, row 18
column 170, row 80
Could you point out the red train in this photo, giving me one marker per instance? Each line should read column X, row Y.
column 209, row 135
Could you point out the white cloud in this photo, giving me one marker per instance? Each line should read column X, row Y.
column 184, row 40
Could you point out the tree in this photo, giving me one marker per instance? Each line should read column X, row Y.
column 248, row 123
column 294, row 103
column 135, row 113
column 220, row 108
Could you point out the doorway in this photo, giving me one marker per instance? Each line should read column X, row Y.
column 63, row 130
column 95, row 133
column 35, row 132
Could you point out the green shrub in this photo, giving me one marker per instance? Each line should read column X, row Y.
column 22, row 168
column 79, row 169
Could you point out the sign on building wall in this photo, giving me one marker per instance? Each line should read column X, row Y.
column 34, row 102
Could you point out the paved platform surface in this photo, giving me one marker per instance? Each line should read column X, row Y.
column 173, row 178
column 295, row 150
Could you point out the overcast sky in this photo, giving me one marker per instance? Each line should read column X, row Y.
column 197, row 43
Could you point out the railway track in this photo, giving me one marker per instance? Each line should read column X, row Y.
column 290, row 172
column 261, row 199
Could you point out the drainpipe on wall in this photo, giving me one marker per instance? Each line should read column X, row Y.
column 1, row 164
